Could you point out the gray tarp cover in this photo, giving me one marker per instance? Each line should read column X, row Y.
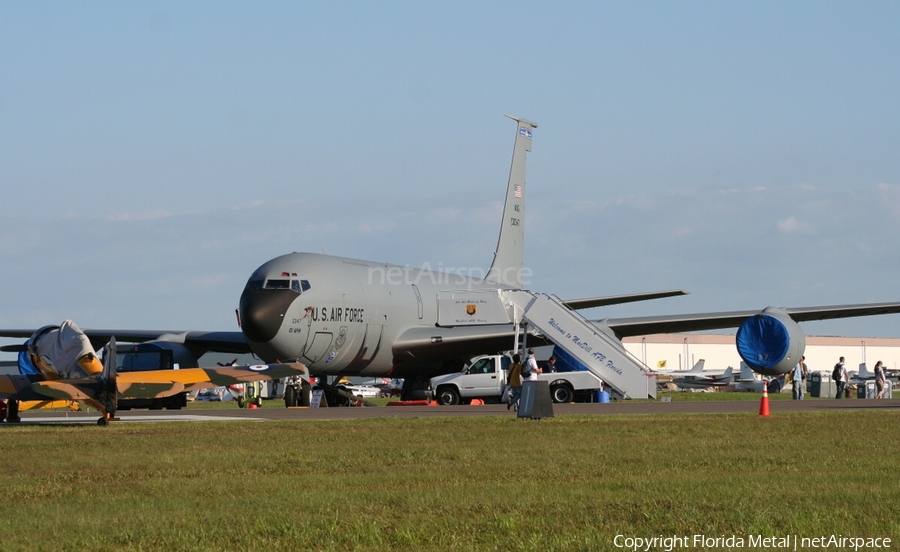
column 63, row 347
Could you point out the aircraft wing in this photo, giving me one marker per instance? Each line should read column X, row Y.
column 429, row 343
column 200, row 378
column 676, row 323
column 147, row 384
column 578, row 304
column 20, row 388
column 219, row 341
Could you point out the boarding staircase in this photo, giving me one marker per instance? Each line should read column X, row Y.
column 602, row 354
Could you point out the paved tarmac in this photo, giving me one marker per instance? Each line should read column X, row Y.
column 271, row 411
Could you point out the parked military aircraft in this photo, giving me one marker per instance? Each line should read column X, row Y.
column 695, row 370
column 354, row 317
column 58, row 362
column 697, row 377
column 704, row 380
column 747, row 381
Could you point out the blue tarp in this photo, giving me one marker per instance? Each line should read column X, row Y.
column 26, row 368
column 762, row 341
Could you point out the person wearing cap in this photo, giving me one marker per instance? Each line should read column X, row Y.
column 531, row 367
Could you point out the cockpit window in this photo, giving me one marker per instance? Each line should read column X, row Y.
column 255, row 284
column 278, row 284
column 297, row 286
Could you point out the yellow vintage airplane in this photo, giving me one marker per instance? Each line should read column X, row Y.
column 67, row 369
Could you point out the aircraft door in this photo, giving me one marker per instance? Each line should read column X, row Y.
column 370, row 346
column 319, row 346
column 419, row 301
column 371, row 343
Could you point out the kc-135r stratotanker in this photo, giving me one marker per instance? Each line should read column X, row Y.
column 346, row 316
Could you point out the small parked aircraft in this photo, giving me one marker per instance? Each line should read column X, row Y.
column 697, row 378
column 58, row 362
column 747, row 381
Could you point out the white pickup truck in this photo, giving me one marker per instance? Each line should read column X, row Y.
column 485, row 378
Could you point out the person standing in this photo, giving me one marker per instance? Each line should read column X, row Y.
column 515, row 382
column 530, row 371
column 839, row 375
column 551, row 364
column 880, row 379
column 798, row 376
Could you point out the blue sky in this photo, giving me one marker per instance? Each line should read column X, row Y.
column 154, row 154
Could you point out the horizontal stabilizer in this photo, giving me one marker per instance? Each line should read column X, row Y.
column 73, row 390
column 224, row 375
column 148, row 389
column 90, row 389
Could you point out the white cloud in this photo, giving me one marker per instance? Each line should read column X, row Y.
column 791, row 225
column 248, row 205
column 155, row 214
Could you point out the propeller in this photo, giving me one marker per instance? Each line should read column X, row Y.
column 14, row 348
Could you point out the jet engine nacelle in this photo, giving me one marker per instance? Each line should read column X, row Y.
column 771, row 342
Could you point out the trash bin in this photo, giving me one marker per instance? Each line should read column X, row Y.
column 821, row 385
column 602, row 397
column 866, row 390
column 814, row 384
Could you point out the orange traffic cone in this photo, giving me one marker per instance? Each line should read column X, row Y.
column 764, row 402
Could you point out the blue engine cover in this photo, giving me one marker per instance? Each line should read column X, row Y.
column 770, row 343
column 26, row 367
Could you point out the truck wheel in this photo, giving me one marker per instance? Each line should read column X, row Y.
column 562, row 393
column 448, row 396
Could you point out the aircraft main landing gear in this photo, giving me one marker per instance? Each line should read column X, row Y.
column 12, row 412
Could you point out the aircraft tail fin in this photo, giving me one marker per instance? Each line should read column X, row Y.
column 509, row 258
column 698, row 368
column 727, row 375
column 746, row 372
column 864, row 372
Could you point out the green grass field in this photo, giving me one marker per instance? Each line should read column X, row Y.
column 566, row 483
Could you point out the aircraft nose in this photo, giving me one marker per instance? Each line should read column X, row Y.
column 262, row 312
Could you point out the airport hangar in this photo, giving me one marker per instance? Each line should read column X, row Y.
column 682, row 351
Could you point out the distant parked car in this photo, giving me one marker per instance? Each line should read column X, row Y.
column 208, row 395
column 362, row 390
